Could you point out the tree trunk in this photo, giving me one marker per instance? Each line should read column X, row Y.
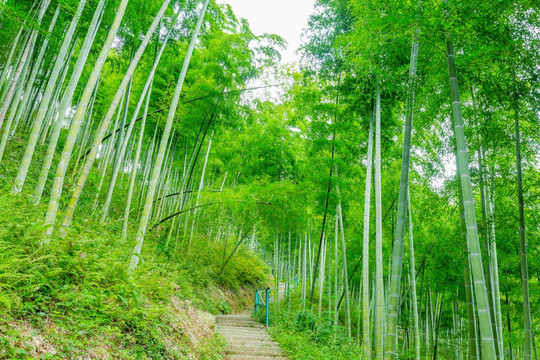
column 106, row 121
column 345, row 274
column 366, row 342
column 24, row 58
column 105, row 210
column 58, row 183
column 488, row 344
column 397, row 255
column 413, row 284
column 527, row 327
column 163, row 145
column 46, row 102
column 379, row 279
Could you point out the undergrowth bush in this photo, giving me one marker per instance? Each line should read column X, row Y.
column 304, row 335
column 79, row 292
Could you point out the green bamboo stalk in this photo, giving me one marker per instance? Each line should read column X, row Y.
column 107, row 155
column 27, row 53
column 14, row 46
column 379, row 279
column 136, row 162
column 36, row 69
column 46, row 102
column 397, row 256
column 17, row 114
column 336, row 276
column 56, row 192
column 495, row 268
column 322, row 277
column 106, row 121
column 345, row 273
column 527, row 326
column 366, row 343
column 414, row 300
column 201, row 186
column 469, row 293
column 52, row 111
column 488, row 344
column 67, row 99
column 487, row 242
column 163, row 144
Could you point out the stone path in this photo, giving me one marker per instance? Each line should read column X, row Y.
column 247, row 339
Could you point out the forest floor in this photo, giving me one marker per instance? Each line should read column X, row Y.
column 74, row 298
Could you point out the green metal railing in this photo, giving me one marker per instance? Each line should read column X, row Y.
column 263, row 299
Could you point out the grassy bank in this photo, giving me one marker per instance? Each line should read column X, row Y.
column 74, row 298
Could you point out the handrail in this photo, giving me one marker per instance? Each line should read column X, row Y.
column 263, row 299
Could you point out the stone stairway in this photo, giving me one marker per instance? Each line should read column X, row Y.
column 247, row 339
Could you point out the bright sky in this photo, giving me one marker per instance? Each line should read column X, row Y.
column 286, row 18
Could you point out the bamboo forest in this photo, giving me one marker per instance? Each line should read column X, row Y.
column 174, row 186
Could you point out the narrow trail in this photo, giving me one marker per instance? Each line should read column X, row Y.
column 247, row 339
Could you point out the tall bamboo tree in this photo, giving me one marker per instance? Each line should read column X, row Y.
column 379, row 279
column 156, row 171
column 66, row 100
column 397, row 256
column 110, row 113
column 45, row 102
column 488, row 343
column 22, row 63
column 124, row 144
column 527, row 326
column 56, row 191
column 366, row 339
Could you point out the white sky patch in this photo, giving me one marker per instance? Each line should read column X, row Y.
column 286, row 18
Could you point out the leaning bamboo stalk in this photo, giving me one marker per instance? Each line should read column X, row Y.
column 495, row 273
column 345, row 272
column 136, row 162
column 488, row 344
column 163, row 144
column 56, row 191
column 22, row 62
column 397, row 255
column 66, row 100
column 14, row 112
column 7, row 66
column 106, row 121
column 46, row 102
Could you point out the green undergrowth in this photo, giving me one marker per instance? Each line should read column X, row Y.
column 304, row 335
column 74, row 297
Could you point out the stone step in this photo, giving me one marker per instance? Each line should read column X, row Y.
column 238, row 321
column 241, row 326
column 249, row 343
column 271, row 345
column 254, row 352
column 253, row 343
column 232, row 334
column 244, row 339
column 247, row 339
column 232, row 318
column 234, row 329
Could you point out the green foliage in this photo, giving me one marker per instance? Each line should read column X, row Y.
column 78, row 292
column 303, row 335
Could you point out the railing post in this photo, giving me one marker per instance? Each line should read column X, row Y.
column 256, row 301
column 267, row 304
